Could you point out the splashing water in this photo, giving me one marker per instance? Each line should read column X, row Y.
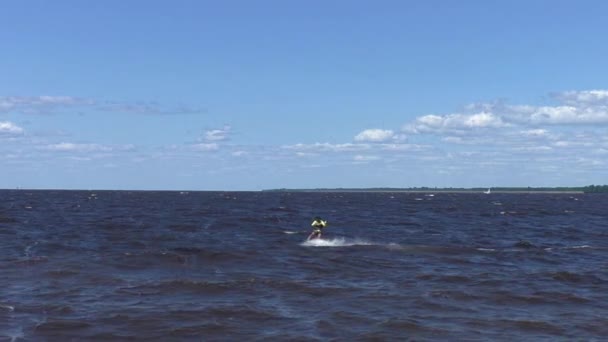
column 337, row 242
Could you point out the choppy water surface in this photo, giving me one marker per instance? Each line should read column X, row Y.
column 78, row 265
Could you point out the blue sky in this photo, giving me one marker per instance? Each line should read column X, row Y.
column 250, row 95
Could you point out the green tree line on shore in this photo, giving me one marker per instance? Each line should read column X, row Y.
column 595, row 188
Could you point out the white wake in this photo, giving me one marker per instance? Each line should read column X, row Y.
column 337, row 242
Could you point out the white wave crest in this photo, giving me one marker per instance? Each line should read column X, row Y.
column 580, row 247
column 7, row 307
column 337, row 242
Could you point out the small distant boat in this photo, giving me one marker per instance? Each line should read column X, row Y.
column 487, row 192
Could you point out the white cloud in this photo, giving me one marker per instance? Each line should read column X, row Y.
column 327, row 147
column 558, row 115
column 205, row 147
column 71, row 147
column 585, row 97
column 375, row 135
column 50, row 104
column 567, row 144
column 9, row 128
column 75, row 147
column 144, row 108
column 306, row 154
column 453, row 140
column 511, row 142
column 62, row 100
column 79, row 158
column 539, row 132
column 217, row 134
column 402, row 147
column 541, row 148
column 39, row 104
column 481, row 120
column 455, row 123
column 573, row 108
column 365, row 158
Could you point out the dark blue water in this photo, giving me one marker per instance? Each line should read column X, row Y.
column 78, row 265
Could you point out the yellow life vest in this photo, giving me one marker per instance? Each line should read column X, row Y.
column 319, row 223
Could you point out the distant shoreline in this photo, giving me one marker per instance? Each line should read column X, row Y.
column 429, row 191
column 475, row 190
column 421, row 190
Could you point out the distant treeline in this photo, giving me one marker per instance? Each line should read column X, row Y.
column 585, row 189
column 596, row 188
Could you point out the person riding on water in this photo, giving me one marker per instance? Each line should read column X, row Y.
column 317, row 225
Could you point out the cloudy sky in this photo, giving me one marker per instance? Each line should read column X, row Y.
column 250, row 95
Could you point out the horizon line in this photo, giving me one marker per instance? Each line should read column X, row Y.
column 335, row 189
